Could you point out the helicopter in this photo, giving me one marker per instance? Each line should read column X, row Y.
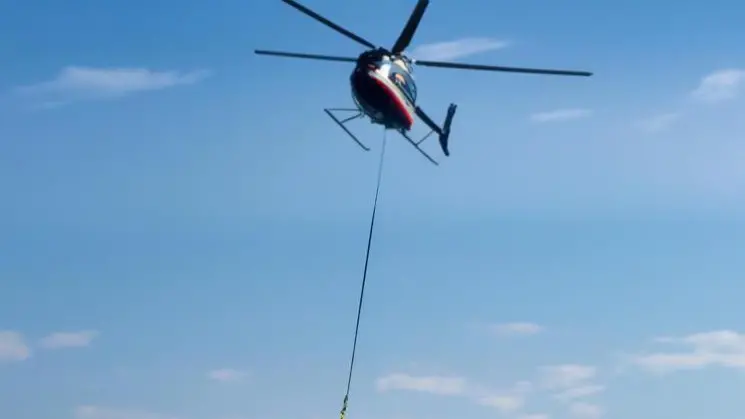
column 382, row 83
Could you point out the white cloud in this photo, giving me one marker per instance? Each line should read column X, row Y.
column 13, row 346
column 506, row 401
column 75, row 83
column 456, row 49
column 723, row 348
column 659, row 122
column 720, row 86
column 503, row 403
column 97, row 412
column 428, row 384
column 521, row 328
column 560, row 115
column 226, row 374
column 69, row 339
column 581, row 410
column 567, row 376
column 522, row 387
column 579, row 392
column 571, row 382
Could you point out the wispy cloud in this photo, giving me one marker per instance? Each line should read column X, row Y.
column 502, row 402
column 101, row 412
column 507, row 401
column 74, row 83
column 226, row 374
column 579, row 392
column 459, row 48
column 428, row 384
column 98, row 412
column 77, row 339
column 724, row 348
column 720, row 86
column 562, row 377
column 561, row 115
column 517, row 329
column 571, row 382
column 581, row 410
column 13, row 346
column 567, row 383
column 659, row 122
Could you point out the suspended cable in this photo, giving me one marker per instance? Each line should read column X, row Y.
column 364, row 278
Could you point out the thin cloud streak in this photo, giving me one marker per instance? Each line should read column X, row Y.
column 427, row 384
column 75, row 83
column 226, row 374
column 724, row 348
column 451, row 50
column 659, row 123
column 78, row 339
column 720, row 86
column 13, row 347
column 517, row 329
column 561, row 115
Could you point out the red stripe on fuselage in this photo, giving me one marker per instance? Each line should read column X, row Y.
column 397, row 100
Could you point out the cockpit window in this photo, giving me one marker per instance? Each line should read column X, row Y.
column 404, row 80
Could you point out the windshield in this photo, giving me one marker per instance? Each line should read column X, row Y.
column 404, row 81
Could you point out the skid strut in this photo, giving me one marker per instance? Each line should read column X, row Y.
column 357, row 115
column 416, row 145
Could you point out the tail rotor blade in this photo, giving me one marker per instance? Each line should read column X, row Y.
column 553, row 72
column 330, row 24
column 306, row 56
column 407, row 33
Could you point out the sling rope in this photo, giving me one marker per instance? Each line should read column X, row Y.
column 364, row 279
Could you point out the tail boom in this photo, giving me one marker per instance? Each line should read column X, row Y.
column 444, row 131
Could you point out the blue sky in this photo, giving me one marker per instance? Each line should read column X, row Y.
column 183, row 229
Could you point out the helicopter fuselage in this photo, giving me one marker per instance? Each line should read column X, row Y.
column 383, row 88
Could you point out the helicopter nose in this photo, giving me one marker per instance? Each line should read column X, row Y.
column 397, row 108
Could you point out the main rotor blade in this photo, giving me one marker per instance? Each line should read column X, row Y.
column 307, row 56
column 500, row 68
column 329, row 23
column 407, row 33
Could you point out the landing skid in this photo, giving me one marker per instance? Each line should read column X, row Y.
column 358, row 114
column 416, row 144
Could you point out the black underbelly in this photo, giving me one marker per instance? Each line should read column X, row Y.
column 376, row 99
